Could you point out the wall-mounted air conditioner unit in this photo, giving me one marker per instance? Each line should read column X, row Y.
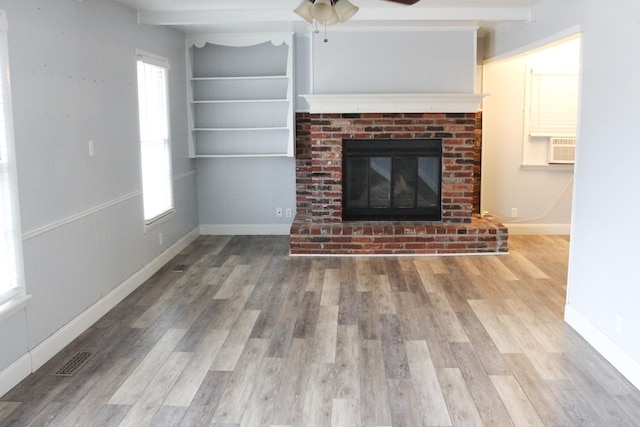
column 562, row 150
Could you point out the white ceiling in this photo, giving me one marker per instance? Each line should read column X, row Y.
column 224, row 16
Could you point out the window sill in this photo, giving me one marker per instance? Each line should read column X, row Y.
column 548, row 167
column 13, row 305
column 159, row 220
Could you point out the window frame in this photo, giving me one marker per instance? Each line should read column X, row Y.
column 537, row 142
column 152, row 60
column 13, row 297
column 551, row 115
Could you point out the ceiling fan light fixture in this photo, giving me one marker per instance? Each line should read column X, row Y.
column 304, row 11
column 326, row 12
column 331, row 21
column 345, row 10
column 322, row 10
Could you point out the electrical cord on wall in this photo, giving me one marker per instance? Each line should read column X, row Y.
column 553, row 205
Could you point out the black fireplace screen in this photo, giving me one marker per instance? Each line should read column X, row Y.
column 396, row 179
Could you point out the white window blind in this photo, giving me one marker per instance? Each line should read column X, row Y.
column 154, row 137
column 553, row 105
column 10, row 233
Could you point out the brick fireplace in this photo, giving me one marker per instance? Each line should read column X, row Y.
column 318, row 228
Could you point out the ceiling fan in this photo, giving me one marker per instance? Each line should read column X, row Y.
column 329, row 12
column 409, row 2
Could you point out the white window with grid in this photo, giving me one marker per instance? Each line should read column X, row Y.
column 155, row 144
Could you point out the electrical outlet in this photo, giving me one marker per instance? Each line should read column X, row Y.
column 278, row 211
column 288, row 212
column 160, row 239
column 91, row 149
column 514, row 212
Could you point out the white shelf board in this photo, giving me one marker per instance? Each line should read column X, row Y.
column 239, row 101
column 240, row 129
column 226, row 78
column 213, row 156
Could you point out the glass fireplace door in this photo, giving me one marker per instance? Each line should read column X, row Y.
column 391, row 187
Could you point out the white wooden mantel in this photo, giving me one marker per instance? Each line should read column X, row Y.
column 394, row 103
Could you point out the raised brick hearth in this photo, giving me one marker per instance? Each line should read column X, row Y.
column 318, row 227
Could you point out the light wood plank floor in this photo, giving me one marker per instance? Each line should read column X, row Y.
column 248, row 336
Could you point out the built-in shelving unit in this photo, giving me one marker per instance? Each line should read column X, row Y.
column 241, row 95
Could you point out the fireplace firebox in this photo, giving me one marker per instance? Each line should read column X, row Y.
column 392, row 179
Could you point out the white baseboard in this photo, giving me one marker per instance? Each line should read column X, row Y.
column 555, row 229
column 620, row 360
column 244, row 229
column 16, row 372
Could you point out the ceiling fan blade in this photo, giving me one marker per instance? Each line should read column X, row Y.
column 409, row 2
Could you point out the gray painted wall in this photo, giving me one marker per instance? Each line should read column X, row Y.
column 240, row 195
column 432, row 61
column 548, row 18
column 73, row 76
column 603, row 278
column 603, row 286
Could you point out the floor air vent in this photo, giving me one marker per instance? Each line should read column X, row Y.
column 180, row 268
column 74, row 364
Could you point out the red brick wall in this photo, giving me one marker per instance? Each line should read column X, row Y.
column 477, row 165
column 481, row 235
column 303, row 163
column 319, row 161
column 318, row 228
